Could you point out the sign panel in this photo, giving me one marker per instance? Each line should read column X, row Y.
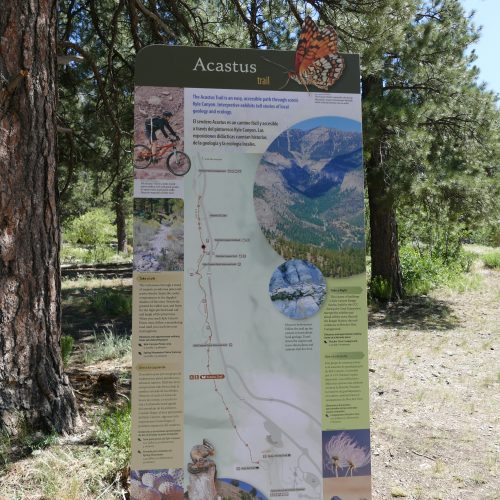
column 250, row 370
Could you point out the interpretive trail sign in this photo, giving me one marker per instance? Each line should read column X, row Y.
column 250, row 371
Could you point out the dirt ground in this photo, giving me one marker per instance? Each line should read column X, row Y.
column 435, row 398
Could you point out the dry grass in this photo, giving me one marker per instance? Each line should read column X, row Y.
column 83, row 466
column 108, row 345
column 88, row 283
column 62, row 472
column 481, row 249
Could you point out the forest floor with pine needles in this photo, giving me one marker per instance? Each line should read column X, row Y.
column 435, row 395
column 434, row 383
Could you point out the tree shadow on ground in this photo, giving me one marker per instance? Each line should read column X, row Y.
column 419, row 313
column 86, row 312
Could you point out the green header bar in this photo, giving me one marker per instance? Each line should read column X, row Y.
column 221, row 68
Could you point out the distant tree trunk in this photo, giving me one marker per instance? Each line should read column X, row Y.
column 384, row 245
column 120, row 215
column 33, row 387
column 383, row 230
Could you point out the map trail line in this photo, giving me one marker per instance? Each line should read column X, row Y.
column 272, row 400
column 206, row 323
column 208, row 298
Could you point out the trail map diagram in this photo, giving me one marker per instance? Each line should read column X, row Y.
column 250, row 344
column 243, row 391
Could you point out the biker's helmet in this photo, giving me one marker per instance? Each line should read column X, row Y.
column 167, row 114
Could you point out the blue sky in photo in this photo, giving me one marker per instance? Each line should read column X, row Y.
column 488, row 16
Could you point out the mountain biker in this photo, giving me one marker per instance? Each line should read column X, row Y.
column 152, row 125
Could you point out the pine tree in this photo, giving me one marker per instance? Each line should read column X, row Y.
column 33, row 388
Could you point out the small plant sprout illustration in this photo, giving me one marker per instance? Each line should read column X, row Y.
column 343, row 452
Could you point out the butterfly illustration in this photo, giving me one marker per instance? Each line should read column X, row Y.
column 317, row 61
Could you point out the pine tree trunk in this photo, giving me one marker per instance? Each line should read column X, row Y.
column 33, row 387
column 384, row 247
column 383, row 229
column 120, row 215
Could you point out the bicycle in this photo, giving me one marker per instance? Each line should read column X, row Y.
column 178, row 162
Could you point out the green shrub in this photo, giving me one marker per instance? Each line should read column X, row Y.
column 91, row 228
column 422, row 272
column 418, row 270
column 77, row 254
column 488, row 235
column 111, row 302
column 380, row 288
column 491, row 260
column 94, row 230
column 113, row 432
column 101, row 253
column 71, row 254
column 465, row 260
column 67, row 343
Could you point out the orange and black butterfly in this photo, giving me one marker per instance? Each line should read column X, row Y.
column 317, row 61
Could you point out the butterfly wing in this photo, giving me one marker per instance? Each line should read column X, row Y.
column 324, row 72
column 309, row 31
column 317, row 61
column 314, row 44
column 329, row 40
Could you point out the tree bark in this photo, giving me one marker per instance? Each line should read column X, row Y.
column 384, row 245
column 33, row 387
column 120, row 214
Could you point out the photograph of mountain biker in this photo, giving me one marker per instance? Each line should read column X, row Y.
column 159, row 123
